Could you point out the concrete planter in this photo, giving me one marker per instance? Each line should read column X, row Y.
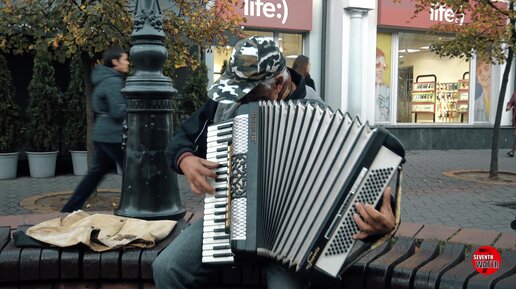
column 8, row 165
column 42, row 164
column 79, row 162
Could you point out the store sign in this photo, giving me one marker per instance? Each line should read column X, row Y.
column 277, row 14
column 399, row 14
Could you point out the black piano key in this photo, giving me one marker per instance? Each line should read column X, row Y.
column 220, row 213
column 224, row 133
column 219, row 220
column 220, row 205
column 223, row 126
column 222, row 149
column 221, row 247
column 221, row 237
column 218, row 180
column 223, row 140
column 218, row 230
column 223, row 165
column 221, row 156
column 218, row 255
column 220, row 189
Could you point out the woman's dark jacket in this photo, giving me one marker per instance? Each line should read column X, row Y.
column 108, row 103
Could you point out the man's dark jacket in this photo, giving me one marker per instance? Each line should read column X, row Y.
column 191, row 136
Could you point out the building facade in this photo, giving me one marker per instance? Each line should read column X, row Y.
column 371, row 58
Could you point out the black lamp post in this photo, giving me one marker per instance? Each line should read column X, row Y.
column 149, row 186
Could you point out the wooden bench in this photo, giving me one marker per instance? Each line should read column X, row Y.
column 402, row 263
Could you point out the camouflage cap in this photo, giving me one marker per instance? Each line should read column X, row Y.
column 254, row 60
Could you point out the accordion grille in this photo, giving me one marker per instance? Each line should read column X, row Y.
column 240, row 135
column 367, row 195
column 238, row 219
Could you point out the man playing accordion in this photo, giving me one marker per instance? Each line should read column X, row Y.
column 256, row 71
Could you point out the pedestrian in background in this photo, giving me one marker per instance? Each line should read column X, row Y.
column 302, row 66
column 512, row 104
column 110, row 109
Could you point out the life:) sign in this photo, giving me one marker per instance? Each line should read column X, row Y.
column 399, row 14
column 441, row 13
column 277, row 14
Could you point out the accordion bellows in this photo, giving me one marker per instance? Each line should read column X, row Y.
column 290, row 175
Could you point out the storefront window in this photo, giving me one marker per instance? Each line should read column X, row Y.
column 290, row 44
column 431, row 89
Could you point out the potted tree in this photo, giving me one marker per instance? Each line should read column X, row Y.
column 76, row 127
column 42, row 129
column 9, row 124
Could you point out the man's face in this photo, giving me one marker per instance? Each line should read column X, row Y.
column 121, row 64
column 283, row 88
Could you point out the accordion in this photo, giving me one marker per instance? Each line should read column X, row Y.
column 289, row 176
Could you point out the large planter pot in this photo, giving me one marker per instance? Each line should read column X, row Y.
column 42, row 164
column 79, row 162
column 8, row 165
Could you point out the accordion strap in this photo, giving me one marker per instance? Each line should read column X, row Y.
column 397, row 212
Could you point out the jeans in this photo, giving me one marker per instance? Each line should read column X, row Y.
column 179, row 266
column 105, row 155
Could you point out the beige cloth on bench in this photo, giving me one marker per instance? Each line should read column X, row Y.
column 100, row 232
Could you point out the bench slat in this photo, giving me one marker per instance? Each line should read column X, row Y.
column 354, row 276
column 459, row 275
column 5, row 236
column 379, row 272
column 110, row 265
column 429, row 275
column 49, row 264
column 69, row 264
column 10, row 262
column 29, row 264
column 404, row 273
column 506, row 283
column 130, row 264
column 91, row 265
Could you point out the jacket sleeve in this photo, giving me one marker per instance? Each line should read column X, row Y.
column 116, row 101
column 190, row 134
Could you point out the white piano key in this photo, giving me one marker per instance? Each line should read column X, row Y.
column 213, row 228
column 215, row 235
column 214, row 205
column 208, row 241
column 220, row 218
column 211, row 223
column 220, row 133
column 210, row 211
column 218, row 260
column 219, row 246
column 213, row 253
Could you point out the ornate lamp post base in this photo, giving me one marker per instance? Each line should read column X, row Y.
column 149, row 186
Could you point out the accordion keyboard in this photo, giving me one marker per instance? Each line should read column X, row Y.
column 216, row 244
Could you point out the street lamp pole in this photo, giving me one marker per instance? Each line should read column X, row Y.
column 149, row 187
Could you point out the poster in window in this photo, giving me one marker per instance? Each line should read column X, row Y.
column 482, row 90
column 382, row 79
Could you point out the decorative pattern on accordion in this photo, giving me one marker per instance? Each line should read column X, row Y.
column 367, row 195
column 238, row 178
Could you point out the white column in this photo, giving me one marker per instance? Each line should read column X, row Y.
column 355, row 62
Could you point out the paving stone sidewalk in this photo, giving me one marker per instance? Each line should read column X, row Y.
column 429, row 197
